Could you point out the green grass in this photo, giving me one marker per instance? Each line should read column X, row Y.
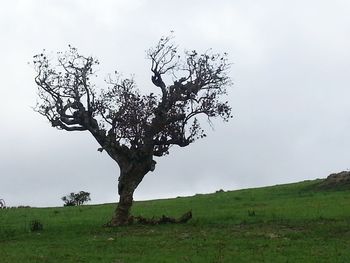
column 287, row 223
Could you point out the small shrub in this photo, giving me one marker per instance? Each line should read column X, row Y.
column 36, row 225
column 251, row 213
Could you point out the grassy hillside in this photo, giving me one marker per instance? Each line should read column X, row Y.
column 287, row 223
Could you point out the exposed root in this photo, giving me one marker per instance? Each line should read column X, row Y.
column 164, row 219
column 151, row 221
column 114, row 222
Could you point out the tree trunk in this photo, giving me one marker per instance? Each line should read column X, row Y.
column 129, row 179
column 122, row 212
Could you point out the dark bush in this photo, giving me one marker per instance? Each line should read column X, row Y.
column 251, row 213
column 36, row 225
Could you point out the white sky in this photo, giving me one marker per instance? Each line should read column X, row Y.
column 291, row 69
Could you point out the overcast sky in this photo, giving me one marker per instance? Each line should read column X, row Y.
column 290, row 99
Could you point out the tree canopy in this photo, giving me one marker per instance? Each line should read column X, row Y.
column 120, row 114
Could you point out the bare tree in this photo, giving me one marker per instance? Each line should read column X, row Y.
column 131, row 127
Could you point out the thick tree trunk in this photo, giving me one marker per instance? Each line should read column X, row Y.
column 122, row 212
column 131, row 176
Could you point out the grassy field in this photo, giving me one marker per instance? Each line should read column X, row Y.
column 286, row 223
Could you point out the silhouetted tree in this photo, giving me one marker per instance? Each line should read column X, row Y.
column 68, row 200
column 74, row 199
column 82, row 197
column 131, row 127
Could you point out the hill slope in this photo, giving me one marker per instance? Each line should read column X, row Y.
column 288, row 223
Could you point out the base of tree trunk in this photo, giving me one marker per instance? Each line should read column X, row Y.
column 152, row 221
column 115, row 222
